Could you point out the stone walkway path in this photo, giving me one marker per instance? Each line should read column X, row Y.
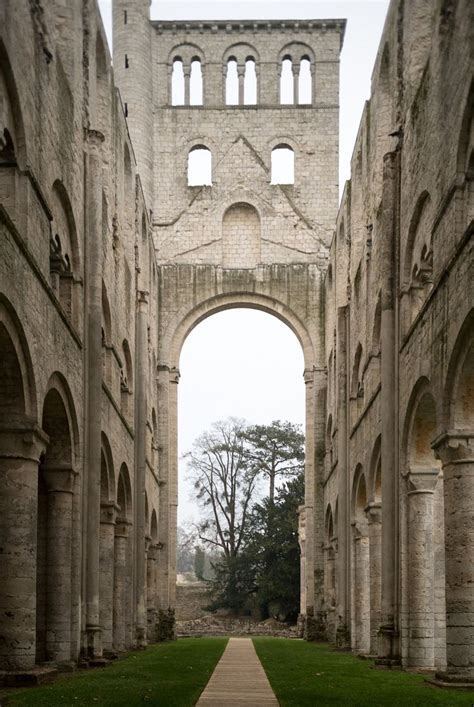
column 238, row 679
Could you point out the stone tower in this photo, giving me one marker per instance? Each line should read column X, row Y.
column 132, row 34
column 237, row 233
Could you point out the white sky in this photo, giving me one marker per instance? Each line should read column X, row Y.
column 243, row 362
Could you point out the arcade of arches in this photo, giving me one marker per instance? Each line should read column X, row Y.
column 109, row 257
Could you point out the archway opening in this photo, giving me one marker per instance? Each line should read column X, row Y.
column 245, row 364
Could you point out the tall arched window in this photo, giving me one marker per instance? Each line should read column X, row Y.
column 250, row 82
column 199, row 167
column 287, row 83
column 232, row 83
column 195, row 88
column 283, row 165
column 305, row 82
column 177, row 83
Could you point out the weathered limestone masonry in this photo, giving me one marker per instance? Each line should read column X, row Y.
column 79, row 485
column 399, row 478
column 110, row 255
column 239, row 239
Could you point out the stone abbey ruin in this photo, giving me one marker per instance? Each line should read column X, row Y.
column 110, row 254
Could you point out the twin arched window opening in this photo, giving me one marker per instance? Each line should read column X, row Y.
column 187, row 83
column 241, row 83
column 296, row 82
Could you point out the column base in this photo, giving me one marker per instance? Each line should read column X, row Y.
column 388, row 654
column 28, row 678
column 343, row 638
column 93, row 642
column 166, row 625
column 141, row 638
column 315, row 627
column 460, row 681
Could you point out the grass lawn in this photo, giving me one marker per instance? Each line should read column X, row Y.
column 303, row 673
column 167, row 674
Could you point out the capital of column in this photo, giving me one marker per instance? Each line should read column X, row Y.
column 142, row 296
column 108, row 512
column 175, row 375
column 59, row 478
column 422, row 479
column 94, row 139
column 374, row 513
column 455, row 446
column 359, row 530
column 21, row 438
column 121, row 528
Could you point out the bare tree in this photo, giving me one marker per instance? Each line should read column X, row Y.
column 225, row 480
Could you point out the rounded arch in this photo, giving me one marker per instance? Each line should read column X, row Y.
column 186, row 52
column 147, row 513
column 12, row 112
column 359, row 498
column 154, row 526
column 375, row 472
column 58, row 393
column 241, row 236
column 458, row 399
column 107, row 476
column 106, row 317
column 64, row 219
column 296, row 51
column 356, row 381
column 465, row 154
column 240, row 52
column 124, row 494
column 17, row 382
column 128, row 365
column 329, row 524
column 420, row 427
column 174, row 339
column 417, row 220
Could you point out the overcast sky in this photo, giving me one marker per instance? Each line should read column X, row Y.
column 243, row 362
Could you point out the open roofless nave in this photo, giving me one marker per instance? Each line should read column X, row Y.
column 110, row 255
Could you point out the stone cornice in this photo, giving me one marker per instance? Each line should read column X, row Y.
column 239, row 26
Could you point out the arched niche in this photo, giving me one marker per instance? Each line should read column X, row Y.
column 241, row 237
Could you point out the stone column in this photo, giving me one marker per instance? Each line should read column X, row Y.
column 120, row 584
column 21, row 444
column 151, row 591
column 421, row 487
column 302, row 542
column 295, row 93
column 241, row 76
column 361, row 589
column 388, row 646
column 374, row 525
column 106, row 585
column 91, row 508
column 343, row 525
column 60, row 484
column 187, row 85
column 310, row 609
column 140, row 470
column 455, row 448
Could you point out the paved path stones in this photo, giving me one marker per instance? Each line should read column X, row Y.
column 238, row 679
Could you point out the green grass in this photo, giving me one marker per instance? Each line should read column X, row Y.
column 167, row 674
column 303, row 674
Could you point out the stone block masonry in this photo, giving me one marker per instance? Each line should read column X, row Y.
column 109, row 258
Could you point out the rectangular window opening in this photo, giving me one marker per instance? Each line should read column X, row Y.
column 125, row 17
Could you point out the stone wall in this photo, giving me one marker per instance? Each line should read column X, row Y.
column 399, row 294
column 79, row 489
